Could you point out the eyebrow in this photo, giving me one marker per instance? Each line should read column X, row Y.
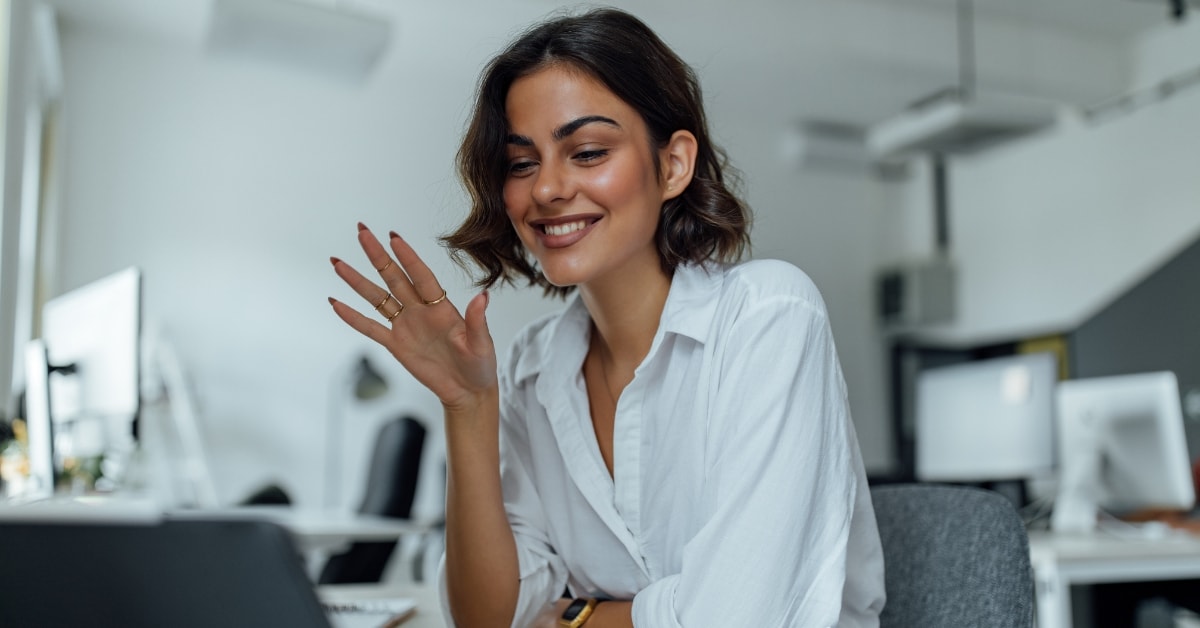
column 565, row 130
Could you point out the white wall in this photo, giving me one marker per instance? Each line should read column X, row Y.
column 232, row 183
column 1048, row 230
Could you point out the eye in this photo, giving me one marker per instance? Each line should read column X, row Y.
column 521, row 167
column 591, row 155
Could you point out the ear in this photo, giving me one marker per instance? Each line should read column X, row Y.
column 678, row 159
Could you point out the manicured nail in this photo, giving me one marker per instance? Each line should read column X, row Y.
column 487, row 298
column 362, row 227
column 331, row 301
column 394, row 235
column 334, row 260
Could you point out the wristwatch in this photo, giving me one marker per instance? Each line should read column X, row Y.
column 577, row 612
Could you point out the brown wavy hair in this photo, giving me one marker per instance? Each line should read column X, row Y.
column 705, row 222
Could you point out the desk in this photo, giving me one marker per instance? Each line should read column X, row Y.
column 321, row 530
column 317, row 533
column 321, row 533
column 429, row 611
column 1062, row 560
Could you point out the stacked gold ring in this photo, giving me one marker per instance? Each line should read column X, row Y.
column 379, row 307
column 435, row 301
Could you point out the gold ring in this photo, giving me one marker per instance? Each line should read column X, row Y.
column 389, row 318
column 435, row 301
column 385, row 266
column 382, row 301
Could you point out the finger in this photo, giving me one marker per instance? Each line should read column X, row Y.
column 423, row 280
column 374, row 295
column 475, row 316
column 370, row 328
column 392, row 274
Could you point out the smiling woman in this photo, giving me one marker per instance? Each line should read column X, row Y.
column 674, row 447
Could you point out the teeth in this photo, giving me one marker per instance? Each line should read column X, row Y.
column 564, row 229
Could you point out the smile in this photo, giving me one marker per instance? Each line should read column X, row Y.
column 565, row 228
column 565, row 231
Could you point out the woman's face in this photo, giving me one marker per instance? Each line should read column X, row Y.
column 581, row 191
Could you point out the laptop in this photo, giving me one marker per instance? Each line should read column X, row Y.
column 187, row 573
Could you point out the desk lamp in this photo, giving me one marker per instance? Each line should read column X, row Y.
column 365, row 383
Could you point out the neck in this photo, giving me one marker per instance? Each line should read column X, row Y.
column 625, row 313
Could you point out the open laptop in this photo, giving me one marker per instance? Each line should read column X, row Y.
column 181, row 573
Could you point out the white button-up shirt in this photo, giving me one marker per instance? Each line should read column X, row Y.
column 738, row 495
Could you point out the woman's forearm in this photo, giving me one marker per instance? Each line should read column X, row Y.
column 482, row 574
column 612, row 614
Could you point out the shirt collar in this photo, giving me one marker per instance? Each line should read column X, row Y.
column 692, row 301
column 689, row 310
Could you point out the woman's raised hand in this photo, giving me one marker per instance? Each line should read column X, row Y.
column 451, row 354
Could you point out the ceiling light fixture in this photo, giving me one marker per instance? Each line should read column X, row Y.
column 959, row 119
column 328, row 38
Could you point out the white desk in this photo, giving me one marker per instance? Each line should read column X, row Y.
column 1062, row 560
column 312, row 529
column 317, row 533
column 321, row 530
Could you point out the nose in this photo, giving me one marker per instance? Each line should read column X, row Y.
column 552, row 184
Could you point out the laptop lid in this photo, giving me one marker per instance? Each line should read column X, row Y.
column 180, row 573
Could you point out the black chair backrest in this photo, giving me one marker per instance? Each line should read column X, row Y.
column 391, row 488
column 395, row 466
column 953, row 556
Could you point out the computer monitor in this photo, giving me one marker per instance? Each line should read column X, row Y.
column 92, row 342
column 986, row 420
column 1122, row 448
column 39, row 427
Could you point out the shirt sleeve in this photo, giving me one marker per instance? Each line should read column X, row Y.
column 781, row 488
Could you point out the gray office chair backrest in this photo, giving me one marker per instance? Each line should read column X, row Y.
column 953, row 556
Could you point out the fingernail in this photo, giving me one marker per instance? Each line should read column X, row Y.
column 331, row 301
column 334, row 260
column 394, row 235
column 487, row 298
column 362, row 227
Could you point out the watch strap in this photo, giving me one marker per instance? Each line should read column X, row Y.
column 578, row 612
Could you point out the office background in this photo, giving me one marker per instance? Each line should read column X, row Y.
column 231, row 181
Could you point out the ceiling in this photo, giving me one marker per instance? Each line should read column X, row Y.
column 1111, row 19
column 850, row 61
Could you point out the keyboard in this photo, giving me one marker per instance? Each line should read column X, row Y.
column 370, row 613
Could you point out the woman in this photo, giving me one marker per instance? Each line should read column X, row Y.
column 674, row 448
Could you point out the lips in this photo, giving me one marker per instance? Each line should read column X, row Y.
column 563, row 232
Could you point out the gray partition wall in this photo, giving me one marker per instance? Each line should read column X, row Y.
column 1155, row 326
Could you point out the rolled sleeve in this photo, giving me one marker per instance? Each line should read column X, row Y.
column 655, row 605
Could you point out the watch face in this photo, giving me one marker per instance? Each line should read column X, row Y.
column 574, row 609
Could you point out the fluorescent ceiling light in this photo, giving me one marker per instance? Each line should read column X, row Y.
column 325, row 38
column 950, row 123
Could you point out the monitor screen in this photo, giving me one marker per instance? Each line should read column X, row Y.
column 986, row 420
column 92, row 340
column 1122, row 448
column 39, row 428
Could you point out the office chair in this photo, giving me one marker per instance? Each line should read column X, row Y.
column 391, row 486
column 953, row 556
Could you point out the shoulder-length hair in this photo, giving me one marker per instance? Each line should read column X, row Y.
column 705, row 222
